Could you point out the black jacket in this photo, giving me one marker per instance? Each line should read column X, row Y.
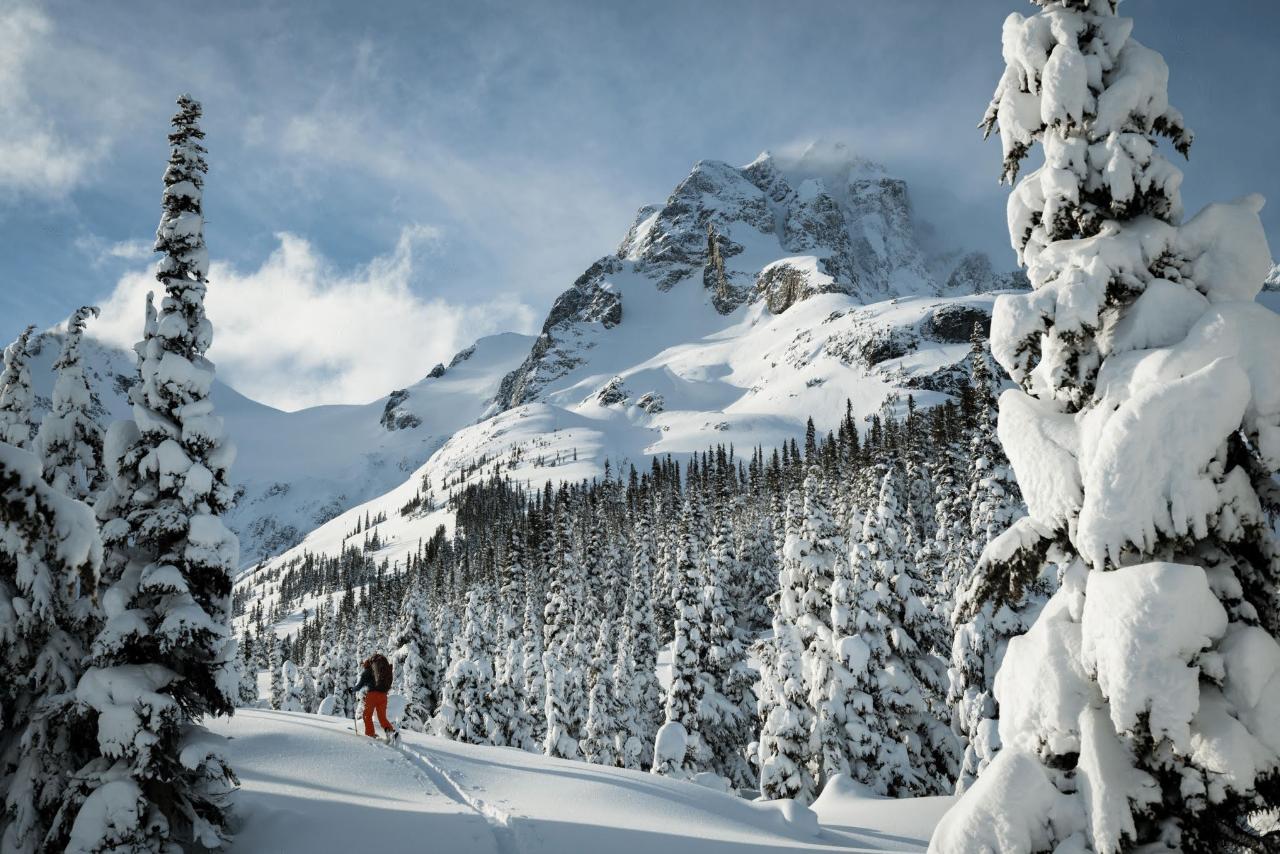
column 366, row 679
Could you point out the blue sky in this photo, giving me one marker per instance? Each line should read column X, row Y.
column 458, row 164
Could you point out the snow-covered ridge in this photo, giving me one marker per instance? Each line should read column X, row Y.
column 752, row 378
column 296, row 470
column 753, row 298
column 778, row 230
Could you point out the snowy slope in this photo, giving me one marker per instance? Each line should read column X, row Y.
column 308, row 786
column 752, row 299
column 299, row 469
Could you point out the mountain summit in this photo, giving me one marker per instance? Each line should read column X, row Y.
column 777, row 231
column 752, row 298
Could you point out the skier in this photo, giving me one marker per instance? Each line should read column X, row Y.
column 377, row 678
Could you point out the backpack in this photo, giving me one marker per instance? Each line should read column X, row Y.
column 381, row 673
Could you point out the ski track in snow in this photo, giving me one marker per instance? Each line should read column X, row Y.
column 498, row 820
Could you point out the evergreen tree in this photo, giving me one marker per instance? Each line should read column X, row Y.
column 852, row 743
column 49, row 550
column 599, row 741
column 994, row 500
column 688, row 652
column 1145, row 467
column 70, row 439
column 248, row 692
column 981, row 629
column 758, row 553
column 559, row 645
column 635, row 678
column 914, row 754
column 16, row 395
column 331, row 678
column 464, row 711
column 725, row 705
column 512, row 724
column 167, row 597
column 811, row 554
column 307, row 690
column 277, row 674
column 291, row 696
column 787, row 725
column 416, row 661
column 532, row 698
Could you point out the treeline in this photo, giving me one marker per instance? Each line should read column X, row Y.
column 806, row 594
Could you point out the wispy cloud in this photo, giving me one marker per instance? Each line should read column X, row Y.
column 35, row 155
column 130, row 250
column 298, row 332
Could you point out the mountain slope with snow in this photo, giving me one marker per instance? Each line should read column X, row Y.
column 307, row 785
column 297, row 470
column 753, row 298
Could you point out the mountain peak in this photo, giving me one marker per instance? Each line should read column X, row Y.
column 830, row 161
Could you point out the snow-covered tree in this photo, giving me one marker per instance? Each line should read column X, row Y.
column 533, row 695
column 307, row 690
column 981, row 629
column 994, row 500
column 332, row 674
column 291, row 698
column 560, row 660
column 635, row 676
column 915, row 753
column 277, row 674
column 758, row 554
column 464, row 705
column 70, row 438
column 725, row 706
column 1138, row 712
column 688, row 651
column 415, row 661
column 599, row 740
column 248, row 690
column 16, row 394
column 850, row 745
column 810, row 554
column 49, row 552
column 512, row 722
column 784, row 754
column 164, row 657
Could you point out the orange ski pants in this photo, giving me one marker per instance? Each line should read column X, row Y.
column 376, row 701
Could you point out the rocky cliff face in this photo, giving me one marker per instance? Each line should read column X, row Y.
column 779, row 230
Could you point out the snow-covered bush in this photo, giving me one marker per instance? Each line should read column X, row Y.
column 1140, row 708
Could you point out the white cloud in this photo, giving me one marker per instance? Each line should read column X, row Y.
column 131, row 250
column 296, row 332
column 35, row 156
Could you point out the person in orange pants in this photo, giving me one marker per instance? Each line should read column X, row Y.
column 377, row 677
